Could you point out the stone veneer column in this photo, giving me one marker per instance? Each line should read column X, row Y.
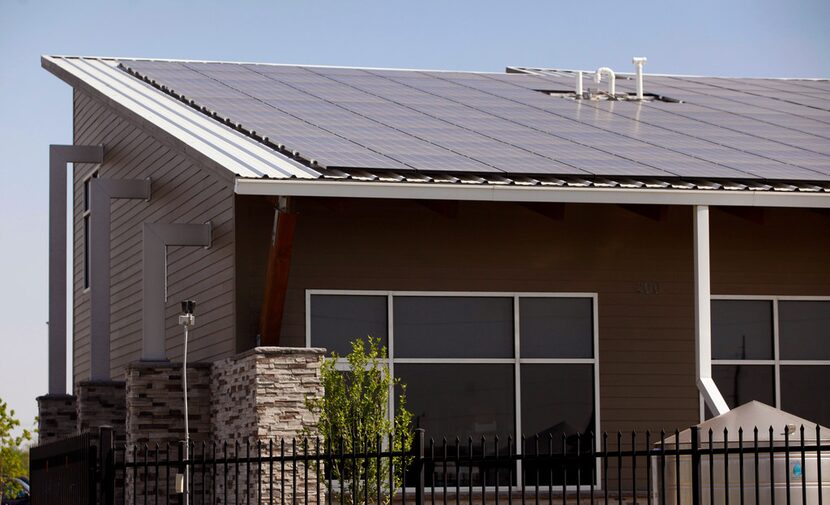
column 102, row 403
column 260, row 395
column 57, row 417
column 155, row 415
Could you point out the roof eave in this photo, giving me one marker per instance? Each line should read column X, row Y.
column 509, row 193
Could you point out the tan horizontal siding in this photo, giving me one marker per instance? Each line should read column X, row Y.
column 182, row 192
column 646, row 349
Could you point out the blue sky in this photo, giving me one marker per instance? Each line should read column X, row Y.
column 711, row 37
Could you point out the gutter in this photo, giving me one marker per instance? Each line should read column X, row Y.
column 513, row 193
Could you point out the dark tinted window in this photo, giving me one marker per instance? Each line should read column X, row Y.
column 558, row 407
column 461, row 400
column 556, row 327
column 465, row 400
column 742, row 329
column 804, row 392
column 337, row 320
column 557, row 399
column 742, row 383
column 453, row 327
column 804, row 329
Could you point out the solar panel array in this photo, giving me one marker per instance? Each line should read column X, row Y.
column 478, row 123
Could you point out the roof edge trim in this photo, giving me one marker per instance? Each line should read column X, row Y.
column 237, row 153
column 496, row 193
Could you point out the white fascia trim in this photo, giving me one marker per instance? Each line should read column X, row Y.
column 501, row 193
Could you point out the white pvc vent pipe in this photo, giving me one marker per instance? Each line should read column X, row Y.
column 638, row 62
column 612, row 79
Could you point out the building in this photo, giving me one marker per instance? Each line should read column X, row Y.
column 538, row 258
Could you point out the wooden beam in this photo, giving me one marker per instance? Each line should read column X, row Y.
column 276, row 277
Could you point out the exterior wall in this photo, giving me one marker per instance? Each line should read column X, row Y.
column 57, row 418
column 102, row 403
column 155, row 415
column 771, row 252
column 182, row 192
column 254, row 228
column 641, row 268
column 155, row 402
column 260, row 394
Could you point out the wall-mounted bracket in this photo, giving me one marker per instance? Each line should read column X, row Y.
column 59, row 156
column 156, row 238
column 102, row 192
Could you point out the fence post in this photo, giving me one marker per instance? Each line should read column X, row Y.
column 695, row 449
column 418, row 451
column 107, row 475
column 91, row 470
column 182, row 477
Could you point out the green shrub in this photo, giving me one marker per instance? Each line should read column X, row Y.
column 355, row 418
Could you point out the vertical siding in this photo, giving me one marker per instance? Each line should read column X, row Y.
column 182, row 192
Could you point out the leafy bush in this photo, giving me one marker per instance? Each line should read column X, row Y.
column 14, row 459
column 355, row 418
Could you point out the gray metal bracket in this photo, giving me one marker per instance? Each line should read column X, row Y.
column 102, row 192
column 156, row 238
column 59, row 156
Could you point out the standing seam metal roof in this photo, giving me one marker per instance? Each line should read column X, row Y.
column 483, row 128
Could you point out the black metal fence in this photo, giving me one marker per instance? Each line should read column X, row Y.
column 784, row 466
column 64, row 472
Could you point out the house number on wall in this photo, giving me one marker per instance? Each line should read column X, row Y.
column 648, row 288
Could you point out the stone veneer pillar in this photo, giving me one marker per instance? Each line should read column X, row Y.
column 102, row 403
column 260, row 395
column 155, row 415
column 155, row 402
column 57, row 417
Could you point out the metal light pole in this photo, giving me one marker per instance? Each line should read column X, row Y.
column 187, row 320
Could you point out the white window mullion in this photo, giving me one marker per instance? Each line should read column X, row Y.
column 595, row 356
column 776, row 354
column 390, row 350
column 517, row 385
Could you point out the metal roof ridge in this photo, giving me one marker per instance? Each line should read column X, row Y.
column 402, row 69
column 270, row 64
column 647, row 74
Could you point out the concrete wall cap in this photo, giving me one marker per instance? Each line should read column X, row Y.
column 55, row 396
column 276, row 351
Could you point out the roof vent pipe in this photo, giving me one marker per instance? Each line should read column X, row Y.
column 638, row 62
column 612, row 79
column 579, row 85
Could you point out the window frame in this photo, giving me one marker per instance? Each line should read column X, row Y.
column 776, row 362
column 86, row 214
column 516, row 360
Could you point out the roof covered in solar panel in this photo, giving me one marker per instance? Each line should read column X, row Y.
column 526, row 123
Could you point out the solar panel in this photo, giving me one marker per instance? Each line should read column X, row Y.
column 500, row 123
